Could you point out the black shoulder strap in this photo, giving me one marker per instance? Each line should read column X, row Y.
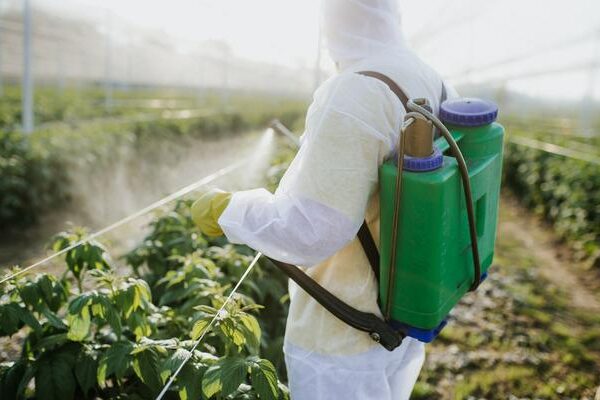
column 368, row 244
column 364, row 234
column 390, row 84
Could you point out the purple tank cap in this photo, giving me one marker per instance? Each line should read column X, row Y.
column 468, row 112
column 418, row 164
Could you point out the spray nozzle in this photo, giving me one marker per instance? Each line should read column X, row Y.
column 278, row 127
column 422, row 102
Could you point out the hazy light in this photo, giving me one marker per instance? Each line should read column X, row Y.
column 458, row 37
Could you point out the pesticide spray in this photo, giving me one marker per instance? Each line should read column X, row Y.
column 260, row 160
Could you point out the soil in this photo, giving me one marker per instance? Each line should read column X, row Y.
column 557, row 266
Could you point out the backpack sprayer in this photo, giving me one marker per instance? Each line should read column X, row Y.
column 438, row 216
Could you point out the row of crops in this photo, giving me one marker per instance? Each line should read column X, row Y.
column 564, row 191
column 119, row 328
column 35, row 171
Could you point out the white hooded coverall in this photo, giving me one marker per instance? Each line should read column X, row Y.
column 330, row 188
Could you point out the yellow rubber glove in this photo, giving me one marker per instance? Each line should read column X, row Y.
column 207, row 210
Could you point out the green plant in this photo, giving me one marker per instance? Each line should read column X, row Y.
column 564, row 191
column 36, row 171
column 29, row 182
column 116, row 336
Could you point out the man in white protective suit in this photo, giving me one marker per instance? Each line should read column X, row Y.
column 330, row 188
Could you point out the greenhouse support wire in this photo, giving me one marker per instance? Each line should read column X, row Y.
column 165, row 200
column 554, row 149
column 208, row 327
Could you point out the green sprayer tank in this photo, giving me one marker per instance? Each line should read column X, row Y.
column 434, row 262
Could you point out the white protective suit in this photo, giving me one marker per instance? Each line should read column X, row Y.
column 330, row 188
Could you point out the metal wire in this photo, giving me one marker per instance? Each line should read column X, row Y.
column 394, row 237
column 553, row 149
column 212, row 321
column 165, row 200
column 464, row 173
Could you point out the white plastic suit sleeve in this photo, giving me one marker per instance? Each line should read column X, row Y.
column 285, row 228
column 321, row 200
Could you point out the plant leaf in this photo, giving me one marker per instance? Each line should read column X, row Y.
column 10, row 379
column 54, row 320
column 28, row 319
column 86, row 371
column 79, row 302
column 172, row 363
column 233, row 374
column 190, row 382
column 51, row 341
column 145, row 365
column 263, row 377
column 199, row 327
column 115, row 360
column 54, row 378
column 79, row 325
column 9, row 315
column 211, row 381
column 251, row 330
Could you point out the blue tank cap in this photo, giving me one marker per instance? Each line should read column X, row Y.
column 423, row 164
column 468, row 112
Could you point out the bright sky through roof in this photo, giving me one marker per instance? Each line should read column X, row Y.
column 556, row 43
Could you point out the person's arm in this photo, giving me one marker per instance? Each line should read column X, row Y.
column 321, row 200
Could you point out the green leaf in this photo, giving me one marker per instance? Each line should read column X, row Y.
column 139, row 325
column 54, row 320
column 171, row 364
column 98, row 310
column 54, row 378
column 225, row 376
column 28, row 319
column 9, row 315
column 230, row 330
column 145, row 365
column 86, row 371
column 45, row 285
column 112, row 316
column 29, row 375
column 211, row 381
column 251, row 330
column 143, row 290
column 10, row 380
column 233, row 374
column 136, row 300
column 263, row 377
column 190, row 382
column 81, row 301
column 199, row 327
column 52, row 341
column 79, row 325
column 116, row 360
column 30, row 294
